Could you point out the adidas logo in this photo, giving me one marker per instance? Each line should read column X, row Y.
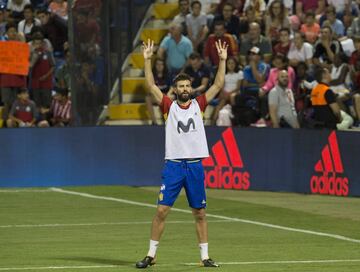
column 330, row 179
column 224, row 169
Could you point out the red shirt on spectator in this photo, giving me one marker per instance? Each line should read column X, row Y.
column 210, row 50
column 355, row 56
column 12, row 81
column 278, row 48
column 43, row 65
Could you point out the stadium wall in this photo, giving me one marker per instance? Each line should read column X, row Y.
column 303, row 161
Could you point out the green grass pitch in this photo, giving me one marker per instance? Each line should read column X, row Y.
column 46, row 230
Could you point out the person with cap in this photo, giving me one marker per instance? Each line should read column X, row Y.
column 59, row 114
column 255, row 75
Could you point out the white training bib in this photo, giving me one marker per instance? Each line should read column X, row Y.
column 185, row 133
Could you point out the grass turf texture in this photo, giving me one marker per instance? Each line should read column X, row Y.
column 87, row 240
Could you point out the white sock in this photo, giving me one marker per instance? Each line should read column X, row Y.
column 152, row 248
column 204, row 251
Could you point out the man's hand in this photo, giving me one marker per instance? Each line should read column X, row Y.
column 148, row 49
column 222, row 49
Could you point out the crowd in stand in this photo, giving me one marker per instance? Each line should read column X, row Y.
column 293, row 63
column 42, row 98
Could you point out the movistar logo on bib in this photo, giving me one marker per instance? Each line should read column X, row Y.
column 186, row 128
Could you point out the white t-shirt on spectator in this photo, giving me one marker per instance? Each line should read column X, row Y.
column 231, row 81
column 196, row 23
column 305, row 53
column 18, row 8
column 206, row 4
column 338, row 4
column 26, row 29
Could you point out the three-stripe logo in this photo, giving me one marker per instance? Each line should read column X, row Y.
column 330, row 179
column 224, row 168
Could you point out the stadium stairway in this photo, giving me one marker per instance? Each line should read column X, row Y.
column 132, row 109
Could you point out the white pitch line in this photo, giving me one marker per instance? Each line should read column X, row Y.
column 24, row 191
column 283, row 262
column 330, row 235
column 170, row 265
column 104, row 224
column 57, row 267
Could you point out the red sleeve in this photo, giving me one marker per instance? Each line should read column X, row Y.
column 165, row 104
column 201, row 99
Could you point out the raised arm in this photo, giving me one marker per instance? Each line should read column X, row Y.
column 220, row 75
column 148, row 50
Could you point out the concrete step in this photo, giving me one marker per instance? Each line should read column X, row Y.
column 165, row 10
column 133, row 111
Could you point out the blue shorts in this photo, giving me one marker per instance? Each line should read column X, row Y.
column 183, row 173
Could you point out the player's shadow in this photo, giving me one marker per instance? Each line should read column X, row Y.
column 97, row 260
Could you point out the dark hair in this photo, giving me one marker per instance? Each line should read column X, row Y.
column 343, row 57
column 319, row 73
column 62, row 91
column 281, row 57
column 229, row 5
column 331, row 9
column 282, row 13
column 285, row 29
column 21, row 91
column 180, row 77
column 195, row 2
column 328, row 27
column 37, row 36
column 29, row 7
column 10, row 25
column 165, row 67
column 183, row 1
column 236, row 64
column 310, row 13
column 195, row 55
column 219, row 22
column 43, row 11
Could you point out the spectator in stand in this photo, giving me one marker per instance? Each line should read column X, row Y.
column 2, row 23
column 326, row 48
column 283, row 46
column 196, row 24
column 210, row 52
column 341, row 6
column 38, row 30
column 276, row 20
column 302, row 97
column 63, row 74
column 42, row 65
column 288, row 4
column 280, row 62
column 246, row 21
column 23, row 112
column 59, row 7
column 25, row 26
column 258, row 5
column 10, row 83
column 255, row 75
column 354, row 29
column 93, row 7
column 300, row 51
column 238, row 6
column 16, row 8
column 210, row 7
column 304, row 6
column 310, row 28
column 88, row 31
column 355, row 75
column 162, row 80
column 255, row 40
column 184, row 6
column 177, row 48
column 232, row 22
column 323, row 99
column 233, row 81
column 199, row 73
column 341, row 81
column 54, row 29
column 336, row 25
column 59, row 114
column 282, row 104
